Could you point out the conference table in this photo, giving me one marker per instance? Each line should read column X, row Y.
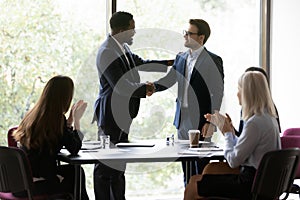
column 140, row 152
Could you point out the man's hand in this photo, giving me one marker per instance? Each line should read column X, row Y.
column 150, row 88
column 170, row 62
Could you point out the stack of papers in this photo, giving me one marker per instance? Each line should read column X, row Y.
column 90, row 145
column 206, row 149
column 201, row 151
column 134, row 144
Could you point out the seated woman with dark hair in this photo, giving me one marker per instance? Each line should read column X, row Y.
column 259, row 136
column 44, row 131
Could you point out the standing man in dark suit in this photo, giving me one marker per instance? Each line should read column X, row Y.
column 119, row 98
column 200, row 78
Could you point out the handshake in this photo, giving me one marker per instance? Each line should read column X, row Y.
column 150, row 88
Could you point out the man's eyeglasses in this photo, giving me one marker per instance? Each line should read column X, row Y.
column 188, row 33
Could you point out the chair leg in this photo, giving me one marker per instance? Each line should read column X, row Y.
column 29, row 195
column 295, row 189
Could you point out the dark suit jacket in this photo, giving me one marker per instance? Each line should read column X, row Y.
column 205, row 90
column 120, row 88
column 43, row 163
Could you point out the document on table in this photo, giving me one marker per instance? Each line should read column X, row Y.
column 201, row 151
column 90, row 145
column 134, row 144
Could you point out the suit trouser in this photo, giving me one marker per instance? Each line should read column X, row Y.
column 109, row 183
column 109, row 177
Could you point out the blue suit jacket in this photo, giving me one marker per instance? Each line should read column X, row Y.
column 120, row 88
column 206, row 86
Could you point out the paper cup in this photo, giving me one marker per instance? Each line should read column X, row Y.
column 194, row 136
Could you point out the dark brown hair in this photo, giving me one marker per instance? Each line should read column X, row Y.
column 203, row 28
column 43, row 125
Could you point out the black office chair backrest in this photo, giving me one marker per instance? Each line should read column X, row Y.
column 16, row 176
column 276, row 173
column 15, row 173
column 10, row 140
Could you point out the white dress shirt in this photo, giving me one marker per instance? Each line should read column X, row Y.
column 190, row 63
column 122, row 48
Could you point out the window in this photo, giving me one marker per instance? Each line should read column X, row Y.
column 234, row 37
column 284, row 61
column 42, row 38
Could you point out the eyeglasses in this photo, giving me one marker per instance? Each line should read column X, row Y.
column 188, row 33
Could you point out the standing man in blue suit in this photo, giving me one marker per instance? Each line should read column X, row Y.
column 119, row 98
column 200, row 78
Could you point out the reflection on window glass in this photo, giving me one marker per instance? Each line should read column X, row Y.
column 159, row 24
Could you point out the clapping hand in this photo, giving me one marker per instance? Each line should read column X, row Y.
column 78, row 109
column 221, row 121
column 76, row 113
column 208, row 130
column 70, row 118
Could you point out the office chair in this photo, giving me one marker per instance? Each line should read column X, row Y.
column 15, row 176
column 10, row 140
column 292, row 131
column 274, row 176
column 290, row 139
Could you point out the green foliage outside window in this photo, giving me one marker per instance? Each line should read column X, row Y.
column 43, row 38
column 36, row 44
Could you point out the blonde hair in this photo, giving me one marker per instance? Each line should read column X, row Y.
column 255, row 95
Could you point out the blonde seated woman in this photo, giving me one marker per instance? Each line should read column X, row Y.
column 233, row 179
